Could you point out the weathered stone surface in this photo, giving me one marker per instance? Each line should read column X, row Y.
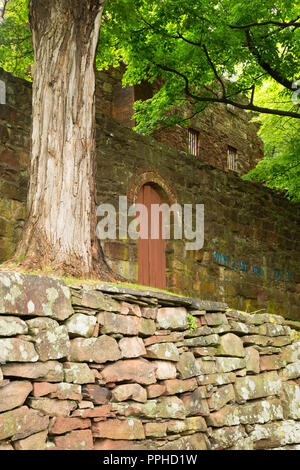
column 129, row 391
column 221, row 397
column 21, row 423
column 35, row 442
column 51, row 340
column 75, row 440
column 101, row 412
column 260, row 318
column 114, row 323
column 132, row 370
column 172, row 318
column 173, row 337
column 53, row 407
column 188, row 366
column 164, row 370
column 163, row 407
column 4, row 446
column 276, row 434
column 261, row 411
column 130, row 309
column 263, row 385
column 197, row 441
column 271, row 329
column 193, row 424
column 227, row 364
column 271, row 363
column 166, row 351
column 280, row 341
column 40, row 389
column 94, row 299
column 226, row 438
column 207, row 366
column 175, row 386
column 217, row 379
column 256, row 340
column 78, row 373
column 50, row 371
column 26, row 294
column 195, row 404
column 12, row 326
column 147, row 327
column 67, row 391
column 81, row 325
column 100, row 350
column 240, row 328
column 129, row 429
column 291, row 401
column 209, row 351
column 14, row 395
column 291, row 371
column 17, row 350
column 149, row 312
column 227, row 416
column 291, row 353
column 238, row 316
column 231, row 345
column 156, row 429
column 96, row 394
column 132, row 347
column 155, row 390
column 214, row 319
column 62, row 425
column 210, row 340
column 252, row 360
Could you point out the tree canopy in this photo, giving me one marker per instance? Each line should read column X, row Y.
column 201, row 52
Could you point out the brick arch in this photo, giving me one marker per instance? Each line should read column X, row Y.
column 150, row 175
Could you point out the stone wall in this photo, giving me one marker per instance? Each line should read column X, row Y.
column 106, row 367
column 250, row 255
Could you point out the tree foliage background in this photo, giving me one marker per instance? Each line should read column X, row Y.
column 202, row 52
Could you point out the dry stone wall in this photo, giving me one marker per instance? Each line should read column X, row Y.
column 105, row 367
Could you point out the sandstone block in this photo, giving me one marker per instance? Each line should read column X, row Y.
column 26, row 294
column 35, row 442
column 132, row 370
column 172, row 318
column 175, row 386
column 12, row 326
column 75, row 440
column 50, row 371
column 62, row 425
column 165, row 351
column 17, row 350
column 14, row 395
column 21, row 423
column 164, row 370
column 221, row 397
column 252, row 360
column 129, row 391
column 132, row 347
column 78, row 373
column 53, row 407
column 252, row 387
column 81, row 325
column 231, row 345
column 100, row 350
column 128, row 429
column 96, row 394
column 188, row 366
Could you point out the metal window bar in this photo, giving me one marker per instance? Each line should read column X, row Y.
column 193, row 142
column 232, row 160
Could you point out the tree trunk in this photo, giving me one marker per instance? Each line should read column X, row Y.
column 60, row 232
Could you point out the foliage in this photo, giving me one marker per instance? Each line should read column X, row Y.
column 16, row 54
column 280, row 167
column 192, row 323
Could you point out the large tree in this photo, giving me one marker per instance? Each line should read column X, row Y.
column 60, row 231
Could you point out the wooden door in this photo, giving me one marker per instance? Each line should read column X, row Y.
column 151, row 253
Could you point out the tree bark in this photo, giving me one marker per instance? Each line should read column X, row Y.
column 60, row 232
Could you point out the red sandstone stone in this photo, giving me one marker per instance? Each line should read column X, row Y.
column 40, row 389
column 135, row 370
column 75, row 440
column 62, row 425
column 98, row 412
column 128, row 429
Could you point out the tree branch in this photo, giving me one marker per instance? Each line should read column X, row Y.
column 214, row 70
column 267, row 23
column 224, row 100
column 264, row 65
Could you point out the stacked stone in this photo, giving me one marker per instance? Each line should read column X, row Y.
column 105, row 367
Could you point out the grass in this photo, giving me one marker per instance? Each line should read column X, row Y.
column 46, row 271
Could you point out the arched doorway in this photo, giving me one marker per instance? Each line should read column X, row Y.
column 151, row 252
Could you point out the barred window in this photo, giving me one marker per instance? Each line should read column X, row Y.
column 194, row 140
column 232, row 158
